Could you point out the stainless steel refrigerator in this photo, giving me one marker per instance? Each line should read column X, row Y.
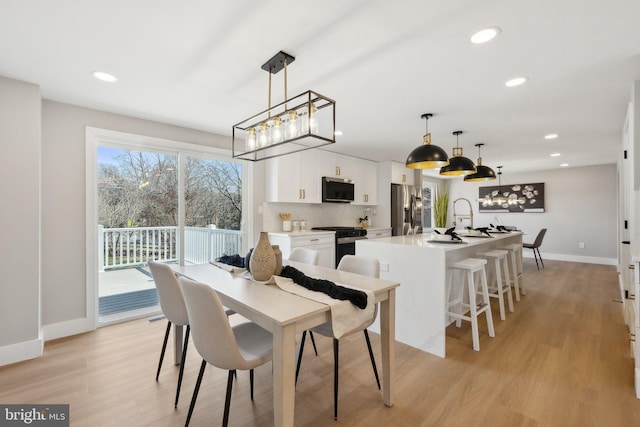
column 406, row 209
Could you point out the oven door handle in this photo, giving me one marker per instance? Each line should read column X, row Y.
column 344, row 240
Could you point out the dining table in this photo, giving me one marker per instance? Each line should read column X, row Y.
column 285, row 314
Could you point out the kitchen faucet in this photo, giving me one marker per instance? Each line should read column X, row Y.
column 457, row 217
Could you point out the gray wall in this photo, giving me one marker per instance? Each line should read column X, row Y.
column 580, row 206
column 20, row 216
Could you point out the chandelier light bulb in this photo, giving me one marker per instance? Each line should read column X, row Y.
column 291, row 129
column 277, row 134
column 251, row 139
column 263, row 135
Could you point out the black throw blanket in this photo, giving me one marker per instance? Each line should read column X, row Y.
column 234, row 260
column 357, row 298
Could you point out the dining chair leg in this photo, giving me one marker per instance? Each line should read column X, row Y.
column 164, row 347
column 251, row 382
column 536, row 258
column 184, row 358
column 335, row 378
column 313, row 341
column 227, row 402
column 304, row 335
column 195, row 392
column 540, row 256
column 373, row 360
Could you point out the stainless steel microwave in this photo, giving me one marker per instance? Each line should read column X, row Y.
column 337, row 190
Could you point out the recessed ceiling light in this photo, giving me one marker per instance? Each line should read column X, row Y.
column 551, row 136
column 555, row 155
column 564, row 165
column 515, row 81
column 105, row 77
column 337, row 133
column 485, row 35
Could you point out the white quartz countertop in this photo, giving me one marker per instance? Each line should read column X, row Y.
column 422, row 240
column 301, row 233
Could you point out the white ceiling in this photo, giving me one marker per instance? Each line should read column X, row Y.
column 197, row 64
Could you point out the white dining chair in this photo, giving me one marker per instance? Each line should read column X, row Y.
column 173, row 308
column 367, row 267
column 304, row 255
column 241, row 347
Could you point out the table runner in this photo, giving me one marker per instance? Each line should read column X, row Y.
column 344, row 315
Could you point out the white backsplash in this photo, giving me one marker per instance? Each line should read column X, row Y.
column 316, row 215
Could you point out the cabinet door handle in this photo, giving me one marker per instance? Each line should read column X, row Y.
column 304, row 194
column 337, row 170
column 299, row 193
column 313, row 240
column 404, row 178
column 632, row 267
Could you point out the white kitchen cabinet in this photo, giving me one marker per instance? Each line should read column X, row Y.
column 294, row 178
column 321, row 241
column 340, row 166
column 376, row 233
column 366, row 187
column 400, row 174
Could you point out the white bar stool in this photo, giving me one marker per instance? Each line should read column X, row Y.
column 469, row 267
column 501, row 285
column 515, row 251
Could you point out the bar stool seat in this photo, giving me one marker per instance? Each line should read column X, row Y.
column 515, row 251
column 501, row 285
column 470, row 267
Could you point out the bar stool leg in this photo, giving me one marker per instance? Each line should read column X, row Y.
column 473, row 308
column 521, row 272
column 516, row 276
column 500, row 289
column 507, row 281
column 485, row 291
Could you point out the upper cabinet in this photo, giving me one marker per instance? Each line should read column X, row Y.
column 366, row 184
column 400, row 174
column 339, row 166
column 294, row 178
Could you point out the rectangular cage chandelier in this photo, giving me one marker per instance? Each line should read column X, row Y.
column 299, row 123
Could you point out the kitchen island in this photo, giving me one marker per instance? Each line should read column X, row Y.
column 421, row 268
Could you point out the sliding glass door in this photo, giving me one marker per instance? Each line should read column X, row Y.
column 137, row 222
column 153, row 204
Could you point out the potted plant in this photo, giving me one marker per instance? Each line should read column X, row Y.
column 440, row 207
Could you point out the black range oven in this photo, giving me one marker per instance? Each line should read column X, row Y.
column 345, row 239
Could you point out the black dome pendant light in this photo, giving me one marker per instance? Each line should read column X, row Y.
column 483, row 173
column 427, row 156
column 458, row 164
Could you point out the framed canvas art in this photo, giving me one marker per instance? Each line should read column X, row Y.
column 512, row 198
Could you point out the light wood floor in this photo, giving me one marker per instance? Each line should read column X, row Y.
column 562, row 359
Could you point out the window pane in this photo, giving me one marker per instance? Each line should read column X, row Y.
column 213, row 209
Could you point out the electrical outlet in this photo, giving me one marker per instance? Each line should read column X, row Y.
column 581, row 245
column 384, row 266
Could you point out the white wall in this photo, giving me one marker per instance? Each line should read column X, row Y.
column 20, row 218
column 580, row 206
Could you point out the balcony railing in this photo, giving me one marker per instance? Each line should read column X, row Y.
column 128, row 247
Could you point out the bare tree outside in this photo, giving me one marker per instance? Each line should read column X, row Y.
column 139, row 189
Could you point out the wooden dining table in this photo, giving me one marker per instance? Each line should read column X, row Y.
column 285, row 314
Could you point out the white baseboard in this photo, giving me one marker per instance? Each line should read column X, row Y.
column 573, row 258
column 26, row 350
column 67, row 328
